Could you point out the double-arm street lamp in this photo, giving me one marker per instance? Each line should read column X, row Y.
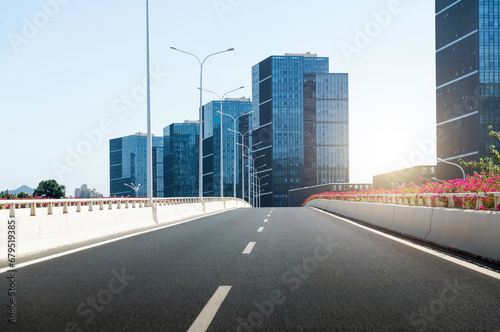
column 222, row 140
column 201, row 62
column 136, row 188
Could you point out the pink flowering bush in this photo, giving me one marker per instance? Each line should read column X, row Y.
column 473, row 184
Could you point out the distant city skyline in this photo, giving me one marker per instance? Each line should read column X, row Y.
column 73, row 75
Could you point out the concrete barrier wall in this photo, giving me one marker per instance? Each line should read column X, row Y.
column 211, row 207
column 450, row 228
column 414, row 221
column 469, row 231
column 172, row 213
column 382, row 215
column 363, row 212
column 43, row 231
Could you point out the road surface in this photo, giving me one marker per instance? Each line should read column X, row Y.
column 283, row 269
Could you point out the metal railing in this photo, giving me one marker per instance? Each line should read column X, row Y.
column 99, row 203
column 449, row 200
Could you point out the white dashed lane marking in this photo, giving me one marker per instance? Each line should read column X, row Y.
column 206, row 316
column 249, row 248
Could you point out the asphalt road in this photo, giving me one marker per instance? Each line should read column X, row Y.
column 292, row 269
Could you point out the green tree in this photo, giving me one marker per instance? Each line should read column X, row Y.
column 487, row 165
column 22, row 195
column 50, row 189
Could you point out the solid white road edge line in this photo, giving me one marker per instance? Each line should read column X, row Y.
column 206, row 316
column 249, row 248
column 72, row 251
column 433, row 252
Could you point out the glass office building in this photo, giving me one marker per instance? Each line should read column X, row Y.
column 128, row 165
column 181, row 142
column 467, row 80
column 301, row 125
column 237, row 109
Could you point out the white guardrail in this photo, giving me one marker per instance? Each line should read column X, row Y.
column 35, row 205
column 423, row 199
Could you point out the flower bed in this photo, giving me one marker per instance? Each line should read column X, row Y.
column 480, row 191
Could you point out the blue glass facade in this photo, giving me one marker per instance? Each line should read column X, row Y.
column 300, row 124
column 181, row 142
column 212, row 145
column 128, row 164
column 467, row 76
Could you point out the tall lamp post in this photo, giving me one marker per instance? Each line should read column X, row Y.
column 222, row 140
column 250, row 168
column 200, row 172
column 447, row 162
column 235, row 121
column 258, row 178
column 260, row 191
column 243, row 159
column 149, row 144
column 243, row 169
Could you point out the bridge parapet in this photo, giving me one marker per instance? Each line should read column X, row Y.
column 48, row 223
column 449, row 200
column 49, row 206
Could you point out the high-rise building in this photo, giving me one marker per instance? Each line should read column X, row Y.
column 301, row 122
column 128, row 165
column 235, row 111
column 181, row 141
column 467, row 80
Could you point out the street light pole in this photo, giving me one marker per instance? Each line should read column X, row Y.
column 253, row 164
column 200, row 172
column 243, row 158
column 149, row 145
column 235, row 122
column 260, row 192
column 260, row 186
column 250, row 168
column 221, row 142
column 257, row 195
column 447, row 162
column 234, row 136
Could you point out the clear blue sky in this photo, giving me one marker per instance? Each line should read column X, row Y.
column 67, row 67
